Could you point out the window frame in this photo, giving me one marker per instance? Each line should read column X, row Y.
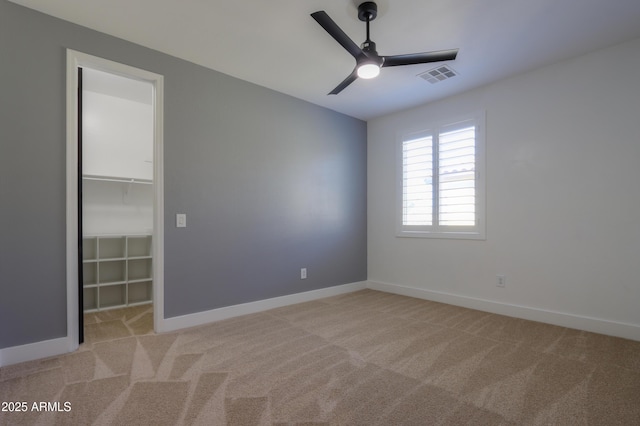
column 477, row 232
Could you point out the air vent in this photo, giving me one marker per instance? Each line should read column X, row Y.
column 438, row 74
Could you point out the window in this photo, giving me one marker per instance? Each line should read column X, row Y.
column 441, row 181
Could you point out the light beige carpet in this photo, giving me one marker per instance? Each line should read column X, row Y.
column 365, row 358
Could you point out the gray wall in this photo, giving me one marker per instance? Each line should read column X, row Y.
column 270, row 183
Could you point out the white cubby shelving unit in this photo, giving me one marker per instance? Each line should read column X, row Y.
column 116, row 271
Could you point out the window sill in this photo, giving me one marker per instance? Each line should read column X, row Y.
column 442, row 235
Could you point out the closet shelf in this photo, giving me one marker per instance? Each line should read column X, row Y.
column 117, row 179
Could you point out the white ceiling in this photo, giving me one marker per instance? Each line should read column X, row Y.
column 277, row 44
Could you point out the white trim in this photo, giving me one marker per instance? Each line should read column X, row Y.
column 206, row 317
column 580, row 322
column 32, row 351
column 72, row 203
column 77, row 59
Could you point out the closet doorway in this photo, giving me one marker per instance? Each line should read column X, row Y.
column 118, row 199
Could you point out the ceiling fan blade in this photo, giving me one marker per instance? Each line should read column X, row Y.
column 336, row 32
column 420, row 58
column 347, row 81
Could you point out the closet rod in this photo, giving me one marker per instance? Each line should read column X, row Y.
column 115, row 179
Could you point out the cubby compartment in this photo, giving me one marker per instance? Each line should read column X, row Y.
column 139, row 246
column 112, row 271
column 139, row 292
column 89, row 273
column 139, row 269
column 112, row 296
column 90, row 298
column 89, row 248
column 111, row 247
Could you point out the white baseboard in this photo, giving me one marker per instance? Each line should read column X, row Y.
column 200, row 318
column 37, row 350
column 596, row 325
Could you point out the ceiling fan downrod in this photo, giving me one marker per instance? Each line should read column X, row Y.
column 367, row 12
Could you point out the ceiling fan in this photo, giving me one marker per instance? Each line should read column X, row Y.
column 368, row 62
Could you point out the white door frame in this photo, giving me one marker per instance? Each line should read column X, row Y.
column 75, row 60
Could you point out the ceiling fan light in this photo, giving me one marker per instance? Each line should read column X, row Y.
column 368, row 70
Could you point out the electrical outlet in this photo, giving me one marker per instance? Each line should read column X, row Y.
column 501, row 281
column 181, row 220
column 303, row 273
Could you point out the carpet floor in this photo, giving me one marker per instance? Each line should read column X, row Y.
column 364, row 358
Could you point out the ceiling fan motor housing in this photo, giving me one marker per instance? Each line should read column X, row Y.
column 367, row 11
column 369, row 47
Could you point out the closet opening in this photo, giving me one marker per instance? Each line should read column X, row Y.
column 116, row 146
column 115, row 236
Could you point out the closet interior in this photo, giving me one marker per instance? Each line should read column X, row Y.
column 117, row 191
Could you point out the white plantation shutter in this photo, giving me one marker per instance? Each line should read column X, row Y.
column 457, row 176
column 441, row 193
column 417, row 181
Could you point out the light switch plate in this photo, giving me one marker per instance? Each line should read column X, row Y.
column 181, row 220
